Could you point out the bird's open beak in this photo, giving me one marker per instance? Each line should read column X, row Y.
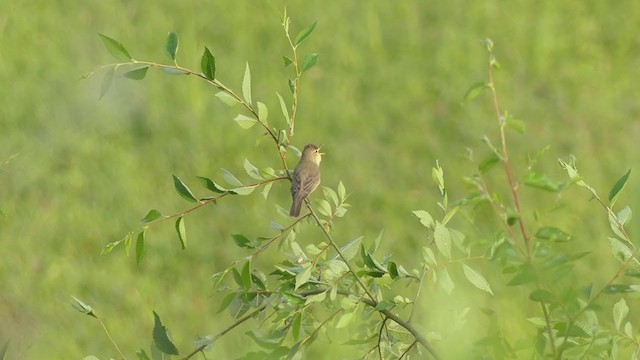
column 320, row 147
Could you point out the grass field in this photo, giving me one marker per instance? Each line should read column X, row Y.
column 384, row 99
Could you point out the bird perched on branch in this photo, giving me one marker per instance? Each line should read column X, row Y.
column 306, row 177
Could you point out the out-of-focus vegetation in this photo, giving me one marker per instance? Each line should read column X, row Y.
column 384, row 99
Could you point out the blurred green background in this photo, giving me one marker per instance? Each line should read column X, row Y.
column 384, row 99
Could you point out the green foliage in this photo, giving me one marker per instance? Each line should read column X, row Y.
column 384, row 98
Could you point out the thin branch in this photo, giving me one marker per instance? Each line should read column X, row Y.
column 104, row 327
column 505, row 153
column 406, row 352
column 226, row 330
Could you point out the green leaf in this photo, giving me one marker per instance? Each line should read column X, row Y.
column 303, row 277
column 231, row 179
column 304, row 33
column 225, row 302
column 152, row 215
column 246, row 85
column 211, row 185
column 316, row 298
column 540, row 295
column 107, row 81
column 82, row 307
column 345, row 320
column 246, row 276
column 245, row 122
column 266, row 189
column 392, row 269
column 553, row 234
column 292, row 86
column 182, row 232
column 287, row 61
column 115, row 48
column 183, row 190
column 174, row 71
column 263, row 112
column 624, row 215
column 425, row 218
column 617, row 187
column 283, row 108
column 442, row 237
column 620, row 289
column 620, row 312
column 517, row 125
column 476, row 279
column 137, row 74
column 171, row 45
column 541, row 181
column 227, row 99
column 161, row 337
column 140, row 248
column 474, row 91
column 251, row 170
column 524, row 275
column 488, row 163
column 309, row 61
column 208, row 65
column 620, row 250
column 350, row 249
column 297, row 325
column 342, row 192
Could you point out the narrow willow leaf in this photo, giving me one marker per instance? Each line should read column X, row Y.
column 425, row 218
column 303, row 277
column 488, row 163
column 304, row 33
column 350, row 249
column 316, row 298
column 266, row 189
column 619, row 289
column 182, row 232
column 246, row 275
column 161, row 337
column 620, row 250
column 208, row 65
column 211, row 185
column 183, row 190
column 230, row 178
column 517, row 125
column 476, row 279
column 309, row 61
column 171, row 45
column 252, row 170
column 541, row 181
column 174, row 71
column 115, row 48
column 244, row 190
column 283, row 108
column 81, row 306
column 541, row 295
column 107, row 81
column 553, row 234
column 624, row 215
column 620, row 312
column 263, row 112
column 226, row 302
column 245, row 122
column 617, row 187
column 140, row 248
column 345, row 320
column 246, row 85
column 152, row 215
column 475, row 90
column 442, row 237
column 227, row 99
column 342, row 192
column 137, row 74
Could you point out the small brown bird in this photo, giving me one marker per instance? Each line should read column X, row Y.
column 306, row 177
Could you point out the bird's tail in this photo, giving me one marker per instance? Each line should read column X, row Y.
column 295, row 208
